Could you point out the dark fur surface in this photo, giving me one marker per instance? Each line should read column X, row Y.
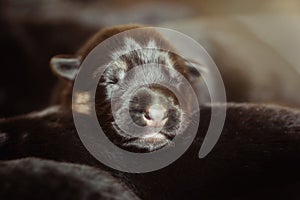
column 257, row 156
column 31, row 179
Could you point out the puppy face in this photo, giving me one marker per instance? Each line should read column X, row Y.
column 134, row 105
column 133, row 83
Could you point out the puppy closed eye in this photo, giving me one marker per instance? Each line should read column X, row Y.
column 112, row 81
column 114, row 76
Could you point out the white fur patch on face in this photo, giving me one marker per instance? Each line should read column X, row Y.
column 129, row 45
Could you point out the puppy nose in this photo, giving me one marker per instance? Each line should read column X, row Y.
column 156, row 115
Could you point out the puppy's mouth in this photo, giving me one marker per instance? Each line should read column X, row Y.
column 145, row 143
column 149, row 142
column 154, row 136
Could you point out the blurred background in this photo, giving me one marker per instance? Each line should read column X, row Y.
column 255, row 44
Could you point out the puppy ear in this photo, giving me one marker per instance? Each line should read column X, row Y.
column 65, row 66
column 194, row 70
column 196, row 73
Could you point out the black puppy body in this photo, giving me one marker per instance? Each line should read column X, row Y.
column 257, row 156
column 31, row 179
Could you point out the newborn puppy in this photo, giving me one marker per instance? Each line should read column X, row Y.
column 132, row 80
column 32, row 178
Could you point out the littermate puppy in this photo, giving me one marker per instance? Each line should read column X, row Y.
column 33, row 178
column 149, row 104
column 256, row 157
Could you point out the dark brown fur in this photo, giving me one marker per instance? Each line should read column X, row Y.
column 257, row 156
column 31, row 178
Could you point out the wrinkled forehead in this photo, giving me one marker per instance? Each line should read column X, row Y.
column 133, row 50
